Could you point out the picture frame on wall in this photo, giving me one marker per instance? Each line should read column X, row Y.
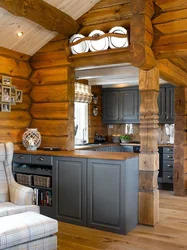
column 13, row 100
column 6, row 80
column 6, row 94
column 5, row 107
column 13, row 90
column 19, row 95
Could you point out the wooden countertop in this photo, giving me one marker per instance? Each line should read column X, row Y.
column 83, row 154
column 116, row 144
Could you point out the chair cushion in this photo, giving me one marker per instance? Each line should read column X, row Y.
column 49, row 243
column 8, row 208
column 25, row 227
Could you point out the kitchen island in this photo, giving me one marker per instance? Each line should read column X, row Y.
column 89, row 188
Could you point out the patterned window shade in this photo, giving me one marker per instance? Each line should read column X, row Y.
column 83, row 93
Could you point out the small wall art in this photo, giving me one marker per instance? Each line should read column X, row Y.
column 9, row 94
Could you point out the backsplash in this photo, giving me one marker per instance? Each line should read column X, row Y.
column 165, row 132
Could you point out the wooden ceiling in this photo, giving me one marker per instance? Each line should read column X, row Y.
column 35, row 36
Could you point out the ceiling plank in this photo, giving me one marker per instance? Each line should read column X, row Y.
column 42, row 13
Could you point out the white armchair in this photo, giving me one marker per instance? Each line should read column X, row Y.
column 14, row 198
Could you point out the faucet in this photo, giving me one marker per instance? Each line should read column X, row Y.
column 83, row 140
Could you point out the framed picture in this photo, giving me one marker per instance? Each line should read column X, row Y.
column 13, row 90
column 6, row 80
column 13, row 100
column 6, row 94
column 19, row 95
column 5, row 107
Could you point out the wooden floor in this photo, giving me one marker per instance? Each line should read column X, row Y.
column 169, row 234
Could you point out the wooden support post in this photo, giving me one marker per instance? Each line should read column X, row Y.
column 142, row 34
column 180, row 152
column 149, row 157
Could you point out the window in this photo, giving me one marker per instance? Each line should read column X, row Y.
column 81, row 122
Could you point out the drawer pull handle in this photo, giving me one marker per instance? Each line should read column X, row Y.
column 40, row 158
column 170, row 156
column 170, row 177
column 20, row 157
column 169, row 166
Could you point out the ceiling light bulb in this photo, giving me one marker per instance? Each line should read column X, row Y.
column 19, row 33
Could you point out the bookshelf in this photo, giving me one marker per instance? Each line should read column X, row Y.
column 35, row 171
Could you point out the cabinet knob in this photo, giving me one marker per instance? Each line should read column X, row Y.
column 170, row 177
column 170, row 149
column 20, row 157
column 170, row 156
column 169, row 166
column 40, row 158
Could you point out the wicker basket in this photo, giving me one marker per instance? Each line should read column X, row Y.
column 42, row 181
column 24, row 179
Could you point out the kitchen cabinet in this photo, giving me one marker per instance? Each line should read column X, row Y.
column 110, row 100
column 166, row 168
column 166, row 104
column 70, row 189
column 120, row 105
column 113, row 195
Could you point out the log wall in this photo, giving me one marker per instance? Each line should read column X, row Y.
column 52, row 96
column 105, row 15
column 13, row 124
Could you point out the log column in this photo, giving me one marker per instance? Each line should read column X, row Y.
column 180, row 148
column 149, row 157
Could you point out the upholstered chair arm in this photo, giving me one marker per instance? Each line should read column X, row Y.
column 19, row 194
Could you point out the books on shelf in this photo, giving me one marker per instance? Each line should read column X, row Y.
column 42, row 197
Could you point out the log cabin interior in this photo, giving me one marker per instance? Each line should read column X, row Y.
column 140, row 87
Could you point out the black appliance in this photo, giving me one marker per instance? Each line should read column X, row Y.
column 99, row 139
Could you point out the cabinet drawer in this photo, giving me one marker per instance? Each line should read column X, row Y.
column 22, row 158
column 168, row 166
column 168, row 157
column 41, row 159
column 168, row 150
column 167, row 177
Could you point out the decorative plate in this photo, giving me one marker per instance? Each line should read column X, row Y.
column 117, row 42
column 79, row 48
column 101, row 44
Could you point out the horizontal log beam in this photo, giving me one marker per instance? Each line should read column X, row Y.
column 42, row 13
column 170, row 5
column 172, row 73
column 172, row 27
column 104, row 15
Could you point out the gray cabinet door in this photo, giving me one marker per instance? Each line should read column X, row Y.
column 70, row 189
column 170, row 113
column 162, row 105
column 110, row 106
column 129, row 105
column 166, row 104
column 113, row 195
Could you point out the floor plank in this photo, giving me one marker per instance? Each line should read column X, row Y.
column 169, row 234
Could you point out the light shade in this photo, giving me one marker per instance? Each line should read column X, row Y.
column 31, row 139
